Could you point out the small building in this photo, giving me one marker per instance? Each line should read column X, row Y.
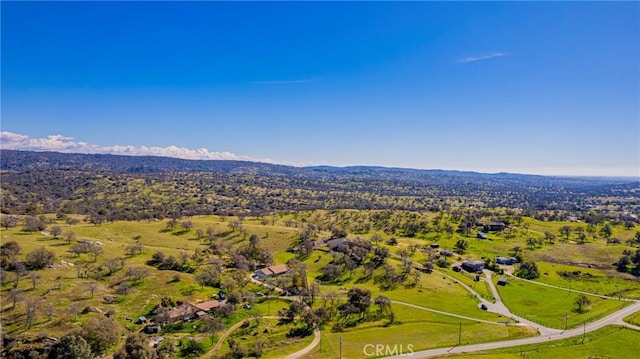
column 494, row 226
column 207, row 306
column 188, row 311
column 272, row 271
column 152, row 329
column 141, row 320
column 502, row 281
column 183, row 312
column 333, row 244
column 506, row 260
column 481, row 235
column 491, row 226
column 446, row 253
column 473, row 266
column 434, row 245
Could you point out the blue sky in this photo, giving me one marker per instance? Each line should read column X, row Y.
column 534, row 87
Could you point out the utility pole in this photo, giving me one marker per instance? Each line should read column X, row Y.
column 566, row 320
column 341, row 347
column 268, row 307
column 584, row 332
column 460, row 334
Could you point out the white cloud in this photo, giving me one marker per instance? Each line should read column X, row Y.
column 59, row 143
column 481, row 57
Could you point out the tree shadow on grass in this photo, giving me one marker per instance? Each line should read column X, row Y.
column 363, row 279
column 60, row 244
column 224, row 234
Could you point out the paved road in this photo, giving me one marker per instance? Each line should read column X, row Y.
column 547, row 334
column 298, row 354
column 612, row 319
column 500, row 308
column 304, row 351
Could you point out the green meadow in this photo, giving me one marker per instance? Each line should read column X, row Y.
column 551, row 306
column 422, row 330
column 608, row 342
column 67, row 302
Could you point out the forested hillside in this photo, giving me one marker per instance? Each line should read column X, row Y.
column 109, row 187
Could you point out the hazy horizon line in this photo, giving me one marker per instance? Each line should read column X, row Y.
column 64, row 144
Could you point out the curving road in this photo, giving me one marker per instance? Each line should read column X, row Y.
column 612, row 319
column 547, row 334
column 304, row 351
column 500, row 308
column 298, row 354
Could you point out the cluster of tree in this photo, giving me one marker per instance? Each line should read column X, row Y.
column 408, row 274
column 628, row 259
column 8, row 253
column 528, row 270
column 211, row 275
column 358, row 303
column 36, row 260
column 253, row 253
column 581, row 234
column 350, row 255
column 181, row 264
column 82, row 247
column 93, row 338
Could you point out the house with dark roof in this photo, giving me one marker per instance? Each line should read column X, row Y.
column 502, row 281
column 472, row 266
column 506, row 260
column 493, row 226
column 272, row 271
column 446, row 253
column 333, row 244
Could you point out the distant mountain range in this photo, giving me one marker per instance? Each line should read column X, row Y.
column 14, row 160
column 80, row 183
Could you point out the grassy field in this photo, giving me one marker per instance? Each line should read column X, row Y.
column 608, row 342
column 433, row 290
column 589, row 280
column 63, row 289
column 420, row 329
column 633, row 319
column 481, row 287
column 548, row 306
column 64, row 298
column 271, row 334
